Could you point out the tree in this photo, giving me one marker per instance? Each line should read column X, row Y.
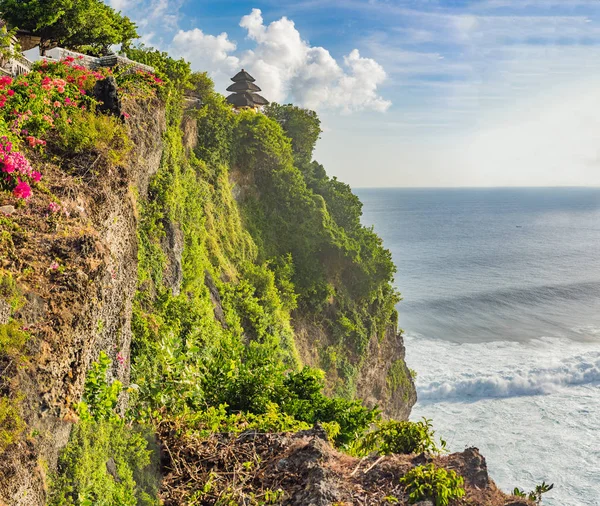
column 178, row 72
column 303, row 126
column 88, row 26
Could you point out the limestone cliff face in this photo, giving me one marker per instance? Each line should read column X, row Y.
column 383, row 379
column 78, row 295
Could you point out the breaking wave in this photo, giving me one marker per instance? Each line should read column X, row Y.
column 576, row 371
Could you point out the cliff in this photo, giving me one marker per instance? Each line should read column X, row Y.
column 170, row 278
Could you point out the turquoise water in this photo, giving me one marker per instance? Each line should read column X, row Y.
column 501, row 313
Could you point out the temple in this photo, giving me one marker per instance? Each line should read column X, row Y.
column 244, row 92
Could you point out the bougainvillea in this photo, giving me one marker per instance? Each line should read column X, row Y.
column 17, row 173
column 50, row 98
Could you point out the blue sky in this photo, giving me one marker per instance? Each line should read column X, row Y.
column 413, row 92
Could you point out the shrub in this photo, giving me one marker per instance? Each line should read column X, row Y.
column 434, row 483
column 99, row 467
column 100, row 398
column 106, row 462
column 11, row 423
column 536, row 494
column 302, row 397
column 399, row 437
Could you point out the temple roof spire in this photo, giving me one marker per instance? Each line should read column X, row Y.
column 244, row 92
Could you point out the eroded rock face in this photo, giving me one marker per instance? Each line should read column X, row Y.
column 106, row 91
column 384, row 380
column 306, row 470
column 78, row 301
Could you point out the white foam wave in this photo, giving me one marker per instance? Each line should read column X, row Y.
column 576, row 371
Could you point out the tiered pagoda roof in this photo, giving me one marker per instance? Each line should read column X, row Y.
column 244, row 91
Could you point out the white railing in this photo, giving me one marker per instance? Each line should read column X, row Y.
column 19, row 65
column 59, row 53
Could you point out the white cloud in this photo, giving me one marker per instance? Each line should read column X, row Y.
column 204, row 51
column 288, row 67
column 121, row 4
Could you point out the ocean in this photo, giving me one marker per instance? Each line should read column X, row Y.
column 501, row 315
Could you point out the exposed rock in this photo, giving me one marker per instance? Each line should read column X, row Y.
column 5, row 311
column 172, row 245
column 7, row 210
column 373, row 383
column 106, row 91
column 34, row 309
column 215, row 298
column 305, row 468
column 111, row 467
column 84, row 307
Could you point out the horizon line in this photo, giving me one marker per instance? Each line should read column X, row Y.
column 474, row 187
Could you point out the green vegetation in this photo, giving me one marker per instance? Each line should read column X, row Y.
column 244, row 369
column 398, row 378
column 11, row 423
column 9, row 291
column 215, row 353
column 434, row 483
column 536, row 494
column 84, row 25
column 106, row 462
column 399, row 437
column 341, row 273
column 12, row 339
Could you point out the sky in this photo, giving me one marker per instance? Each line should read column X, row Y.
column 412, row 93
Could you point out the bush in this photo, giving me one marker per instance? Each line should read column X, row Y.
column 100, row 398
column 399, row 437
column 106, row 462
column 301, row 396
column 434, row 483
column 11, row 423
column 102, row 466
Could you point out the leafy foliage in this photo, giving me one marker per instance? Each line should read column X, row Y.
column 106, row 461
column 435, row 483
column 84, row 25
column 399, row 437
column 11, row 423
column 100, row 398
column 536, row 494
column 302, row 397
column 302, row 126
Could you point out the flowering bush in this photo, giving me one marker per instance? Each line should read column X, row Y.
column 16, row 170
column 53, row 97
column 138, row 84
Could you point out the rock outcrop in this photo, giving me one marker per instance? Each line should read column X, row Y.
column 303, row 469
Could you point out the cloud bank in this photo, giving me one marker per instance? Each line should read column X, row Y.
column 287, row 67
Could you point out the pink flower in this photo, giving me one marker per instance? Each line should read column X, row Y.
column 126, row 116
column 53, row 207
column 54, row 266
column 22, row 190
column 10, row 93
column 36, row 176
column 8, row 166
column 57, row 103
column 120, row 358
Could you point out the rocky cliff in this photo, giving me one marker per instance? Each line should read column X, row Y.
column 133, row 247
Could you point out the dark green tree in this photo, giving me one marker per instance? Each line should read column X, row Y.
column 89, row 26
column 303, row 126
